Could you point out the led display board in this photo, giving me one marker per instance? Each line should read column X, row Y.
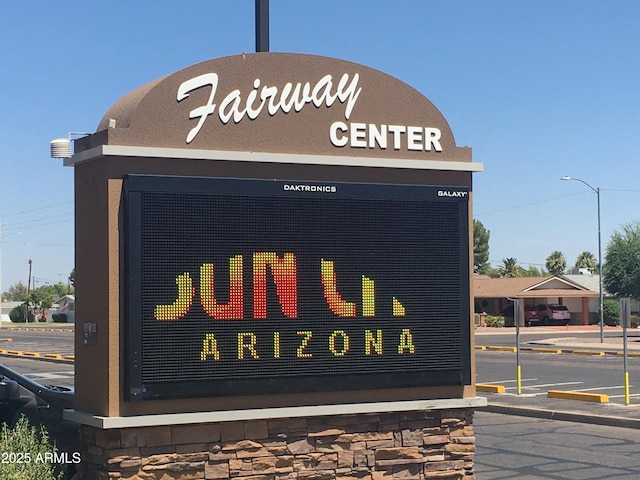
column 239, row 287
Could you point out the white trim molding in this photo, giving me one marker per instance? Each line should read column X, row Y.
column 106, row 423
column 266, row 157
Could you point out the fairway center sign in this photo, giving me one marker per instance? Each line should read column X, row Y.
column 242, row 287
column 284, row 103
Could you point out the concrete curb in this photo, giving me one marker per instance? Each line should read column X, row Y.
column 594, row 352
column 40, row 328
column 576, row 417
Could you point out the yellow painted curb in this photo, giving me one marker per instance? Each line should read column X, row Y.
column 483, row 387
column 588, row 352
column 31, row 354
column 503, row 349
column 480, row 347
column 581, row 396
column 546, row 350
column 629, row 354
column 14, row 352
column 69, row 357
column 57, row 356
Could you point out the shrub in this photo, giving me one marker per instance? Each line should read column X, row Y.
column 17, row 314
column 611, row 312
column 26, row 450
column 494, row 321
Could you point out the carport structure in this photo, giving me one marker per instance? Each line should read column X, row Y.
column 493, row 295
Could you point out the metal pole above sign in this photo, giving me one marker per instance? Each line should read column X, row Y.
column 262, row 26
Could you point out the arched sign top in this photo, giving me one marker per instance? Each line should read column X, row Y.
column 283, row 103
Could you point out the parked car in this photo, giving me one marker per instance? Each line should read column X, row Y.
column 553, row 314
column 41, row 404
column 530, row 314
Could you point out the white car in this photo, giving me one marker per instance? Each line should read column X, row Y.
column 548, row 314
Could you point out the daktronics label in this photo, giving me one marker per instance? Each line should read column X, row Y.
column 310, row 188
column 250, row 286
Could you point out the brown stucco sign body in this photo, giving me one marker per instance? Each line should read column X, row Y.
column 284, row 103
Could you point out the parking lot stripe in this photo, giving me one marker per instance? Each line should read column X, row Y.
column 510, row 381
column 599, row 388
column 623, row 396
column 546, row 385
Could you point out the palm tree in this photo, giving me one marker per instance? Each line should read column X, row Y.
column 556, row 263
column 587, row 260
column 509, row 268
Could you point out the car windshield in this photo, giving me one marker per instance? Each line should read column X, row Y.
column 558, row 307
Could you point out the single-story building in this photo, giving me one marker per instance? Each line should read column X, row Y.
column 5, row 309
column 492, row 295
column 63, row 310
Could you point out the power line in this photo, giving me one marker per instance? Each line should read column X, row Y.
column 44, row 224
column 3, row 215
column 37, row 219
column 531, row 204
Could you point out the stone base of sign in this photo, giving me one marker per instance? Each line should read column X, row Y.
column 368, row 446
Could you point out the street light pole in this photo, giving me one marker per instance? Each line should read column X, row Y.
column 600, row 292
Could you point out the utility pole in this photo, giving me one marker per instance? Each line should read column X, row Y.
column 262, row 25
column 29, row 280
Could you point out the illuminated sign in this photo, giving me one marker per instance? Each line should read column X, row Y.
column 237, row 287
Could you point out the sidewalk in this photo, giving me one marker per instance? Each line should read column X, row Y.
column 539, row 406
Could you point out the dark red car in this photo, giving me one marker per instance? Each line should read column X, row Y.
column 531, row 315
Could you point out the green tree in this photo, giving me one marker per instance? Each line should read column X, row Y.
column 532, row 271
column 16, row 293
column 40, row 298
column 480, row 248
column 72, row 278
column 587, row 260
column 556, row 263
column 509, row 268
column 621, row 268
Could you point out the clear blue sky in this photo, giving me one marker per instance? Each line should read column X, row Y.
column 539, row 89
